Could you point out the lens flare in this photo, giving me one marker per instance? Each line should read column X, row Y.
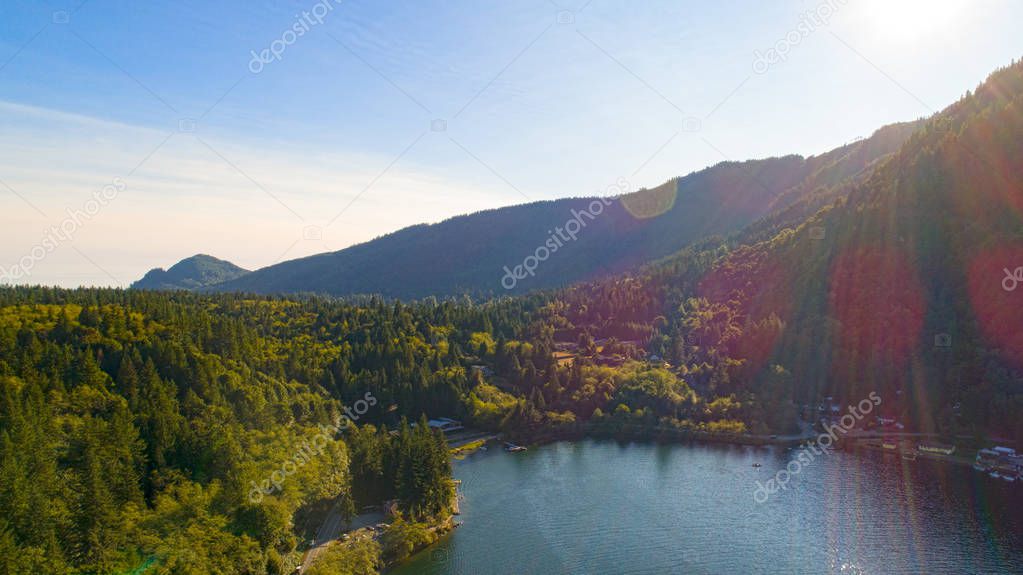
column 650, row 203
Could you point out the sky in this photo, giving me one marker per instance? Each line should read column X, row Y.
column 135, row 134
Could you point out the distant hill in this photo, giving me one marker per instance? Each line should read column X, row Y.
column 196, row 272
column 470, row 253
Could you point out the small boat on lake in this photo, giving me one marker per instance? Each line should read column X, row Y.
column 512, row 448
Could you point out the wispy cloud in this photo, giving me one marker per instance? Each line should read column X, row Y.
column 196, row 192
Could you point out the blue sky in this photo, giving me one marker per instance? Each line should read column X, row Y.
column 336, row 142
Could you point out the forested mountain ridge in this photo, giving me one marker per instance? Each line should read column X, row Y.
column 468, row 254
column 836, row 174
column 905, row 293
column 902, row 283
column 191, row 273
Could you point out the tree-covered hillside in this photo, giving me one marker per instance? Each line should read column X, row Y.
column 902, row 284
column 192, row 273
column 188, row 434
column 468, row 254
column 194, row 433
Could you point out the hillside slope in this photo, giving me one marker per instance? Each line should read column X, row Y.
column 905, row 285
column 469, row 254
column 196, row 272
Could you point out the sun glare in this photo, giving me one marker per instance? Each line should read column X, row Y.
column 911, row 21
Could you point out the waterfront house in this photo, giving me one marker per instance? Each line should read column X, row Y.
column 986, row 459
column 936, row 448
column 1002, row 460
column 445, row 424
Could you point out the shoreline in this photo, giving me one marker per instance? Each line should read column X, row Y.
column 439, row 530
column 512, row 492
column 677, row 437
column 964, row 456
column 866, row 445
column 658, row 435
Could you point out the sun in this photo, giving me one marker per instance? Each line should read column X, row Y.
column 910, row 21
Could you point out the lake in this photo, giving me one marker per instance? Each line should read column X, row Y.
column 603, row 507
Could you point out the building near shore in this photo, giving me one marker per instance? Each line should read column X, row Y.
column 936, row 448
column 1001, row 460
column 445, row 424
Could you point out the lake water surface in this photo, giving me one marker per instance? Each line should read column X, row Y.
column 610, row 508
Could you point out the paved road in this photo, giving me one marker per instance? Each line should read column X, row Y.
column 332, row 528
column 455, row 443
column 329, row 531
